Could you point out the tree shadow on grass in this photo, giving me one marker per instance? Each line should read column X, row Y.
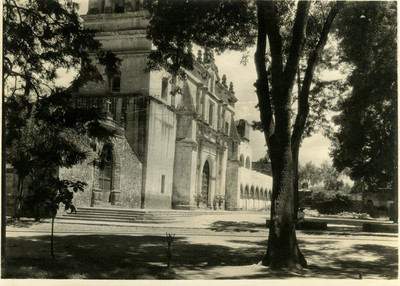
column 22, row 223
column 143, row 257
column 113, row 257
column 233, row 226
column 369, row 260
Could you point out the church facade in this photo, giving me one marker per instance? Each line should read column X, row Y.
column 177, row 142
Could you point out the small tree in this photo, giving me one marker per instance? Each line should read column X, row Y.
column 309, row 175
column 49, row 192
column 330, row 177
column 44, row 130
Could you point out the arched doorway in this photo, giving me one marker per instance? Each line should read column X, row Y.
column 205, row 185
column 105, row 175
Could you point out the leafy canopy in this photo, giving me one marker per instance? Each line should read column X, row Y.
column 176, row 25
column 366, row 139
column 42, row 123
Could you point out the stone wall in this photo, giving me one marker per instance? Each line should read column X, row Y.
column 127, row 177
column 245, row 154
column 255, row 187
column 130, row 176
column 232, row 186
column 184, row 184
column 160, row 153
column 83, row 172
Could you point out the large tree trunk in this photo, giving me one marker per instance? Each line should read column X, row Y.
column 284, row 147
column 283, row 251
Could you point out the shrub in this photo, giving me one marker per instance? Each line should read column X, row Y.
column 330, row 202
column 354, row 215
column 382, row 208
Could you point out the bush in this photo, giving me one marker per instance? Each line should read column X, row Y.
column 382, row 208
column 305, row 198
column 330, row 202
column 354, row 215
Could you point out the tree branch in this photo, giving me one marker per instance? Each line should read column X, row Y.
column 299, row 32
column 303, row 103
column 275, row 40
column 262, row 85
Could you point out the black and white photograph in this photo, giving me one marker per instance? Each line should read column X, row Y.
column 199, row 140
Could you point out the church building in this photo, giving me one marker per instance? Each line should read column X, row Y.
column 177, row 142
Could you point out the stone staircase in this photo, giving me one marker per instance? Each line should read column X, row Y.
column 99, row 214
column 120, row 215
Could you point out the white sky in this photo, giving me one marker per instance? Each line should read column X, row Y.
column 314, row 149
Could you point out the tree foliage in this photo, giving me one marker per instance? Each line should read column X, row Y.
column 332, row 179
column 323, row 178
column 42, row 124
column 41, row 37
column 176, row 25
column 366, row 141
column 309, row 175
column 328, row 202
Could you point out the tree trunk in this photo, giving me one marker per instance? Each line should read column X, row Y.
column 295, row 154
column 18, row 199
column 52, row 239
column 283, row 251
column 304, row 91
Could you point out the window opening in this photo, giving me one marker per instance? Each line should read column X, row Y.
column 162, row 184
column 164, row 87
column 116, row 84
column 210, row 113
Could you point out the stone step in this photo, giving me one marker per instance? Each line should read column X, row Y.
column 118, row 214
column 114, row 220
column 166, row 212
column 111, row 213
column 114, row 215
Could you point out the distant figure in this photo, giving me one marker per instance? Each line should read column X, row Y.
column 300, row 215
column 73, row 209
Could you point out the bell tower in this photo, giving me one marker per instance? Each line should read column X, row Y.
column 113, row 6
column 120, row 26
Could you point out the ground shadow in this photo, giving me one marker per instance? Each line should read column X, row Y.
column 113, row 256
column 355, row 261
column 22, row 223
column 233, row 226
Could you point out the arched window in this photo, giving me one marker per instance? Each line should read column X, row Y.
column 248, row 162
column 241, row 160
column 205, row 188
column 252, row 192
column 257, row 193
column 246, row 192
